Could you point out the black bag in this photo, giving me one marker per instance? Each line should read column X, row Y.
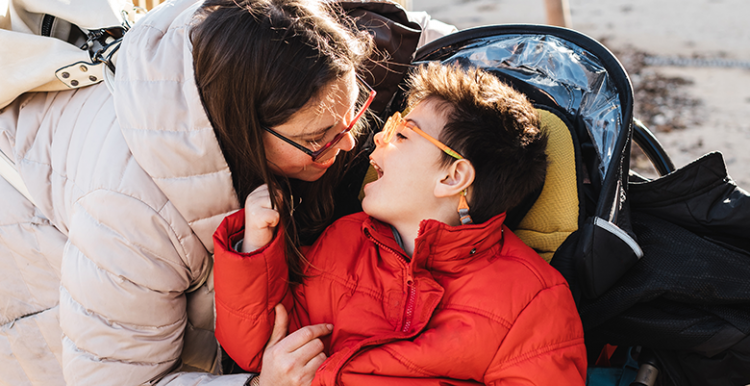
column 688, row 298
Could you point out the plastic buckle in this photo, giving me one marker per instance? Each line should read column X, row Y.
column 81, row 74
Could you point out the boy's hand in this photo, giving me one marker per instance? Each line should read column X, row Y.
column 260, row 219
column 294, row 359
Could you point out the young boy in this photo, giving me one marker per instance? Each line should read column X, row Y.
column 427, row 286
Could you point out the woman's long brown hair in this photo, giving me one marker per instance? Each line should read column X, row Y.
column 257, row 62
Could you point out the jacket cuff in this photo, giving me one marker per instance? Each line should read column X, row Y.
column 249, row 381
column 238, row 246
column 230, row 234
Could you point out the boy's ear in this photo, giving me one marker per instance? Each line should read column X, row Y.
column 460, row 176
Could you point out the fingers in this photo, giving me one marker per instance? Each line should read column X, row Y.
column 280, row 325
column 302, row 353
column 312, row 366
column 262, row 196
column 311, row 354
column 305, row 335
column 260, row 219
column 294, row 359
column 259, row 211
column 263, row 218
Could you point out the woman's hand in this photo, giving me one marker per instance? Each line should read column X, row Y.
column 292, row 360
column 260, row 219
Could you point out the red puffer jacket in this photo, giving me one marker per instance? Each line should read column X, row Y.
column 474, row 305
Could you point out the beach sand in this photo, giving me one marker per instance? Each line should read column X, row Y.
column 697, row 106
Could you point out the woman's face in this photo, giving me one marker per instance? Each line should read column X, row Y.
column 314, row 125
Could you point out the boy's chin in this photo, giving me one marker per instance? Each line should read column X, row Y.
column 370, row 208
column 366, row 206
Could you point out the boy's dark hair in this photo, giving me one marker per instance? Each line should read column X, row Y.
column 490, row 124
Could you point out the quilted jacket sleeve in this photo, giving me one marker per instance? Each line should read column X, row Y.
column 544, row 345
column 123, row 304
column 248, row 287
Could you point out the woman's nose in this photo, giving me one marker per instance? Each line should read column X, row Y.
column 347, row 143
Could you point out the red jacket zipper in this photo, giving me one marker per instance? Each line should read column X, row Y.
column 411, row 297
column 411, row 302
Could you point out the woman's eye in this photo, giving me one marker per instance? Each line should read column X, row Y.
column 315, row 142
column 400, row 136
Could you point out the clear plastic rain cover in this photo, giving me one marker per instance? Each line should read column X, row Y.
column 574, row 78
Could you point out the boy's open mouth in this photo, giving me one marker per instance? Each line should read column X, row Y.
column 376, row 167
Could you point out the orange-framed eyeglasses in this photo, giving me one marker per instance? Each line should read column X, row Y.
column 397, row 123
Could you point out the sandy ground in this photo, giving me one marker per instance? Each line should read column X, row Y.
column 707, row 103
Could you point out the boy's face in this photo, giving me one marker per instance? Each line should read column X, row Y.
column 408, row 170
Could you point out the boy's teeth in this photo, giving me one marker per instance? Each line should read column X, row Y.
column 377, row 168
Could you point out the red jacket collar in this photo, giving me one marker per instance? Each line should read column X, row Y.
column 438, row 241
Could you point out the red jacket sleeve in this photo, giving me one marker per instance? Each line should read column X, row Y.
column 544, row 345
column 248, row 286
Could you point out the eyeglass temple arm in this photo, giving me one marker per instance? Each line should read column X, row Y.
column 437, row 143
column 295, row 144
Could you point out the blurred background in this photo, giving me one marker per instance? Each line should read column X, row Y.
column 689, row 62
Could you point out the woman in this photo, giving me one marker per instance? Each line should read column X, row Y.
column 209, row 101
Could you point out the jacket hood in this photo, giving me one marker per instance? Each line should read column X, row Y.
column 163, row 121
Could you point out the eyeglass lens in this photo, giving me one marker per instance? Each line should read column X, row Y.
column 364, row 98
column 393, row 124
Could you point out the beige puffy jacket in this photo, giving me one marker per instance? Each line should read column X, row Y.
column 98, row 280
column 106, row 281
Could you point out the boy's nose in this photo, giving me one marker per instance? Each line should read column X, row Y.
column 378, row 138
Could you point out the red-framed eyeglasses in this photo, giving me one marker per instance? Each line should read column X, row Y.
column 363, row 102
